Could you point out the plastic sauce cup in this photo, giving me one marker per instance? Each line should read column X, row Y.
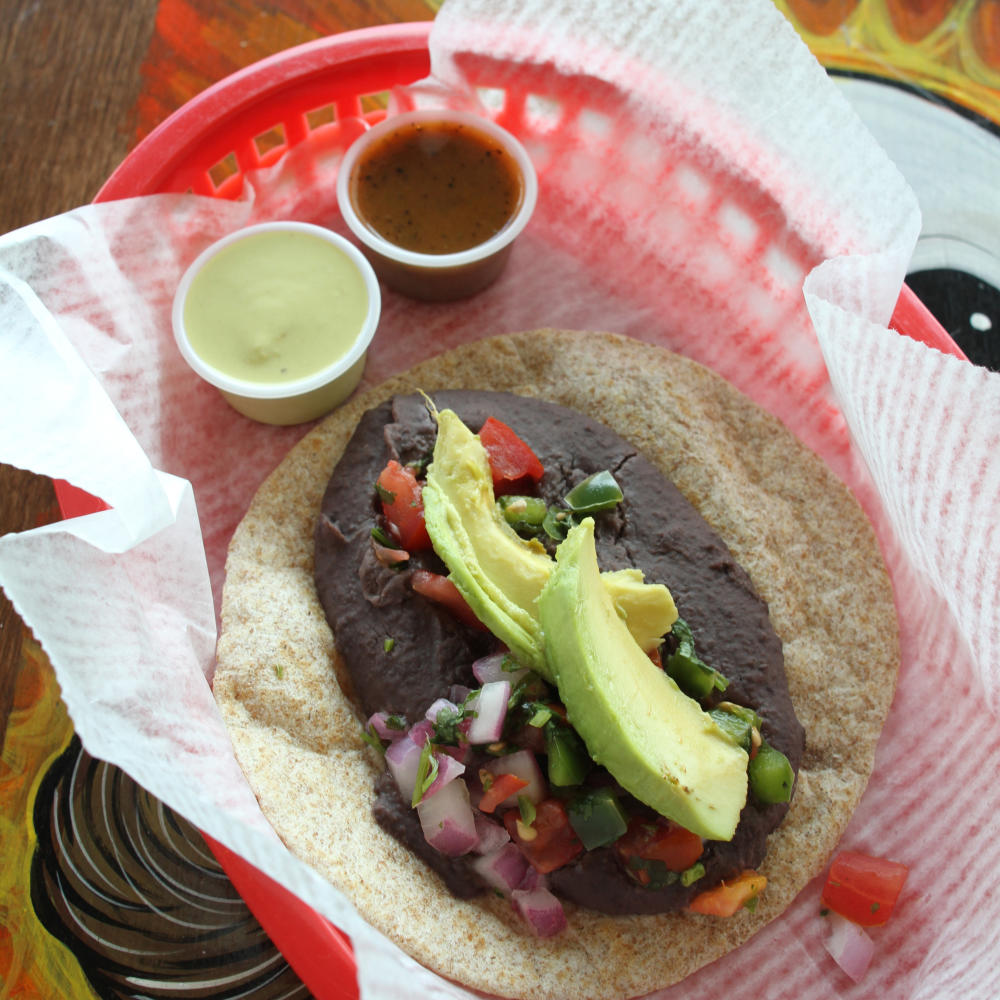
column 278, row 317
column 435, row 193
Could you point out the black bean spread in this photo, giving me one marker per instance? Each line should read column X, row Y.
column 400, row 651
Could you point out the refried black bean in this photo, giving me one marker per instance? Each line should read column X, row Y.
column 654, row 529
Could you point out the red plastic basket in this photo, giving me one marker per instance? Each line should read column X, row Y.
column 248, row 120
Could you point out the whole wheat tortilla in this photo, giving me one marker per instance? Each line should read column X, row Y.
column 788, row 520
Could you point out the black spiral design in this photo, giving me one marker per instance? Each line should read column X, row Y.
column 133, row 891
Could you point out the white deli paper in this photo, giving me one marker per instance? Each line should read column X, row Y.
column 704, row 187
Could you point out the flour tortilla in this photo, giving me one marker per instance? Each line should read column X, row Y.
column 789, row 521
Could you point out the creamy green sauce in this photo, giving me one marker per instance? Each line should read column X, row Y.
column 275, row 307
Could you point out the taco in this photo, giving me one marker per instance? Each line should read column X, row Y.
column 792, row 538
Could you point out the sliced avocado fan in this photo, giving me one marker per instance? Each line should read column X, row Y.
column 499, row 573
column 655, row 740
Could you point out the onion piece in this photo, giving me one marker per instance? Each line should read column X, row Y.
column 422, row 731
column 379, row 724
column 389, row 557
column 403, row 760
column 447, row 820
column 441, row 705
column 449, row 768
column 503, row 868
column 492, row 834
column 491, row 668
column 490, row 707
column 524, row 765
column 541, row 909
column 850, row 946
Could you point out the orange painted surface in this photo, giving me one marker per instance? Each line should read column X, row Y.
column 198, row 42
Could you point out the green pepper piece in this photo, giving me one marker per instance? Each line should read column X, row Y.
column 569, row 761
column 597, row 492
column 693, row 676
column 557, row 523
column 737, row 728
column 770, row 774
column 737, row 722
column 597, row 818
column 524, row 514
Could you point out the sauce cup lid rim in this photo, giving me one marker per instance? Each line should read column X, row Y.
column 277, row 390
column 481, row 251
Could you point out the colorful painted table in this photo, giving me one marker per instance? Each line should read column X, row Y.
column 103, row 891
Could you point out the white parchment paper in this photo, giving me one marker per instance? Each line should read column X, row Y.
column 703, row 186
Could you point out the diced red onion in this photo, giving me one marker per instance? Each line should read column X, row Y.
column 422, row 731
column 524, row 765
column 460, row 754
column 492, row 834
column 388, row 556
column 541, row 909
column 448, row 770
column 403, row 760
column 458, row 693
column 533, row 879
column 448, row 821
column 850, row 946
column 491, row 668
column 490, row 707
column 502, row 868
column 441, row 705
column 379, row 725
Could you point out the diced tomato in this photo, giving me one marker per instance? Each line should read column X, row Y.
column 514, row 465
column 501, row 787
column 403, row 506
column 863, row 889
column 673, row 845
column 728, row 897
column 554, row 843
column 441, row 590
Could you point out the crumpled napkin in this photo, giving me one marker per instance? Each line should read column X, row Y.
column 703, row 186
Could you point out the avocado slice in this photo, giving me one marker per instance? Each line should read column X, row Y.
column 501, row 574
column 497, row 572
column 656, row 741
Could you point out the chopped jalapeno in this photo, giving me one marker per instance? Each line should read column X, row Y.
column 737, row 722
column 557, row 523
column 568, row 759
column 524, row 514
column 770, row 775
column 597, row 818
column 693, row 676
column 597, row 492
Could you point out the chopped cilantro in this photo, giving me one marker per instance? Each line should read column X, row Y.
column 527, row 809
column 368, row 735
column 279, row 671
column 447, row 723
column 388, row 644
column 427, row 770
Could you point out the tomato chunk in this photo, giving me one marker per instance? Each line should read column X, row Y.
column 441, row 590
column 403, row 506
column 728, row 897
column 551, row 841
column 669, row 843
column 513, row 463
column 503, row 786
column 863, row 889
